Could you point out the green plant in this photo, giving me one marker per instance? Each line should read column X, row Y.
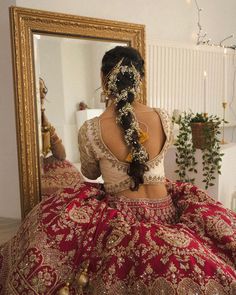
column 185, row 155
column 198, row 118
column 211, row 154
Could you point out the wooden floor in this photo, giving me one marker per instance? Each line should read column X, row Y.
column 8, row 228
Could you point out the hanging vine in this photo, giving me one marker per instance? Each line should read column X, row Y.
column 185, row 149
column 185, row 155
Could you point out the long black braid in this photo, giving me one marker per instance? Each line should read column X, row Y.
column 121, row 68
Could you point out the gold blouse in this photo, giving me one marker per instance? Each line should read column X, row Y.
column 97, row 159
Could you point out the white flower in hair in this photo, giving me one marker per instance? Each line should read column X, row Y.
column 140, row 154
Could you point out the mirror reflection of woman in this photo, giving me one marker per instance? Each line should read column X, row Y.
column 50, row 140
column 56, row 172
column 139, row 233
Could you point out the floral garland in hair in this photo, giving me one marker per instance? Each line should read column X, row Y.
column 138, row 152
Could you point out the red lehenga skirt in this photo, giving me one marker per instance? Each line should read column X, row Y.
column 183, row 244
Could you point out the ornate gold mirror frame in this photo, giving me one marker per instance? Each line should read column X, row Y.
column 25, row 23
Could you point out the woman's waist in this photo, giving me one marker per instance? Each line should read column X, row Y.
column 151, row 186
column 154, row 191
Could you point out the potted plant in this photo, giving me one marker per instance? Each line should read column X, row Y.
column 199, row 123
column 198, row 131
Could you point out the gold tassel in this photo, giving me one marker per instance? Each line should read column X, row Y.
column 64, row 290
column 82, row 279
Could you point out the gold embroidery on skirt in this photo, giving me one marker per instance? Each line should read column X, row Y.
column 218, row 227
column 174, row 237
column 188, row 286
column 162, row 286
column 115, row 238
column 139, row 288
column 212, row 287
column 80, row 215
column 233, row 288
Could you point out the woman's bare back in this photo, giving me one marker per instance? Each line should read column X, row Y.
column 112, row 136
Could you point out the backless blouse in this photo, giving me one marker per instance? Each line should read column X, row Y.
column 97, row 159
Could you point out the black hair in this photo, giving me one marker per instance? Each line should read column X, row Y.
column 125, row 81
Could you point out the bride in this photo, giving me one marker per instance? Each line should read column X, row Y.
column 136, row 234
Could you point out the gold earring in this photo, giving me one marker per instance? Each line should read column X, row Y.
column 103, row 96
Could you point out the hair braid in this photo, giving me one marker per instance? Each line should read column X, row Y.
column 137, row 167
column 123, row 82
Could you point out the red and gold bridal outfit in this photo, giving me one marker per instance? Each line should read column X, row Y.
column 182, row 244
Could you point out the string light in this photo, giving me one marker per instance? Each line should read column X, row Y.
column 202, row 38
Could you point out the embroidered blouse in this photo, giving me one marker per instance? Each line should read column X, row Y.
column 97, row 159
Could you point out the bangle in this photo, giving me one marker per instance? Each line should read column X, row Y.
column 54, row 135
column 45, row 129
column 56, row 142
column 52, row 129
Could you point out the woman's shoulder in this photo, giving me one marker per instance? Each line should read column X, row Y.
column 89, row 123
column 166, row 121
column 161, row 111
column 88, row 127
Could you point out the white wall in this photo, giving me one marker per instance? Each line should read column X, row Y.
column 76, row 69
column 170, row 20
column 176, row 78
column 174, row 20
column 9, row 183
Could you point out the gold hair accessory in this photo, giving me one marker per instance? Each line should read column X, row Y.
column 129, row 158
column 105, row 80
column 111, row 81
column 143, row 137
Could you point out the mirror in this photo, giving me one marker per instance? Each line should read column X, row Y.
column 65, row 51
column 70, row 73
